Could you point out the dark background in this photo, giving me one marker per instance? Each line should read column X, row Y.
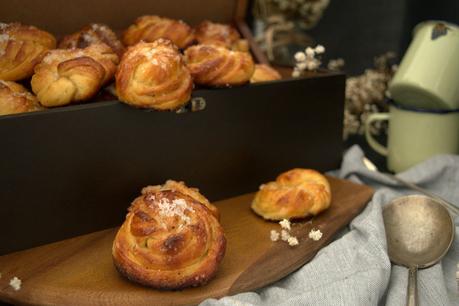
column 359, row 30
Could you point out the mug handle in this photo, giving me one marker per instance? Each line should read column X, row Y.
column 371, row 141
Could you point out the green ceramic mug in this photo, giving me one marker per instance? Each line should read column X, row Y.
column 429, row 72
column 415, row 135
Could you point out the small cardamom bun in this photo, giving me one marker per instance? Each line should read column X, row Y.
column 217, row 66
column 297, row 193
column 21, row 48
column 150, row 28
column 153, row 75
column 223, row 35
column 264, row 73
column 169, row 240
column 65, row 76
column 14, row 99
column 94, row 33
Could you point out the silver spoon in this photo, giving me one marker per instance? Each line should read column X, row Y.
column 453, row 209
column 419, row 232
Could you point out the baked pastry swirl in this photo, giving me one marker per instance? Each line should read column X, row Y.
column 168, row 241
column 92, row 34
column 223, row 35
column 21, row 48
column 150, row 28
column 297, row 193
column 153, row 75
column 72, row 75
column 14, row 99
column 264, row 73
column 217, row 66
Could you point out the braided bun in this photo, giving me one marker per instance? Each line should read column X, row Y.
column 297, row 193
column 71, row 75
column 168, row 241
column 21, row 48
column 217, row 66
column 94, row 33
column 223, row 35
column 264, row 73
column 150, row 28
column 153, row 75
column 14, row 99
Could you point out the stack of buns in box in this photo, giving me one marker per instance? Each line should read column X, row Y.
column 156, row 64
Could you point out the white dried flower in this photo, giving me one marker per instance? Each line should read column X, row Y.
column 296, row 73
column 15, row 283
column 315, row 234
column 313, row 65
column 300, row 56
column 319, row 49
column 292, row 241
column 274, row 235
column 335, row 64
column 307, row 60
column 309, row 52
column 302, row 66
column 284, row 235
column 285, row 224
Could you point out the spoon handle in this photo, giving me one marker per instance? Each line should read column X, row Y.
column 412, row 293
column 453, row 209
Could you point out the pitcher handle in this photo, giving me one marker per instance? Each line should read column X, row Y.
column 370, row 139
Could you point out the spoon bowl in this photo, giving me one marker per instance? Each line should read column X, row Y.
column 419, row 232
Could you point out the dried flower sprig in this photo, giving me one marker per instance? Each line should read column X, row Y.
column 365, row 94
column 309, row 60
column 310, row 11
column 336, row 64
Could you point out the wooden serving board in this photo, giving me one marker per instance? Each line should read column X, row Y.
column 79, row 271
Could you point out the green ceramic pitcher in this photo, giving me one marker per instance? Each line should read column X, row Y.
column 428, row 75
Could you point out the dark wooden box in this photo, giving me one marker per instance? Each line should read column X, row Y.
column 74, row 170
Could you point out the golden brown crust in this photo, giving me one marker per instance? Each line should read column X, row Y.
column 297, row 193
column 72, row 75
column 181, row 187
column 150, row 28
column 264, row 73
column 223, row 35
column 14, row 99
column 168, row 241
column 21, row 48
column 93, row 33
column 153, row 75
column 217, row 66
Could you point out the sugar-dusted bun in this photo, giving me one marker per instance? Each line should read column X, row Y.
column 21, row 48
column 217, row 66
column 93, row 33
column 264, row 73
column 72, row 75
column 297, row 193
column 169, row 240
column 150, row 28
column 14, row 99
column 223, row 35
column 153, row 75
column 181, row 187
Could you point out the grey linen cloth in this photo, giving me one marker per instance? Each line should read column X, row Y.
column 355, row 269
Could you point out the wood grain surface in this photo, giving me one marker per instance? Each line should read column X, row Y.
column 79, row 271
